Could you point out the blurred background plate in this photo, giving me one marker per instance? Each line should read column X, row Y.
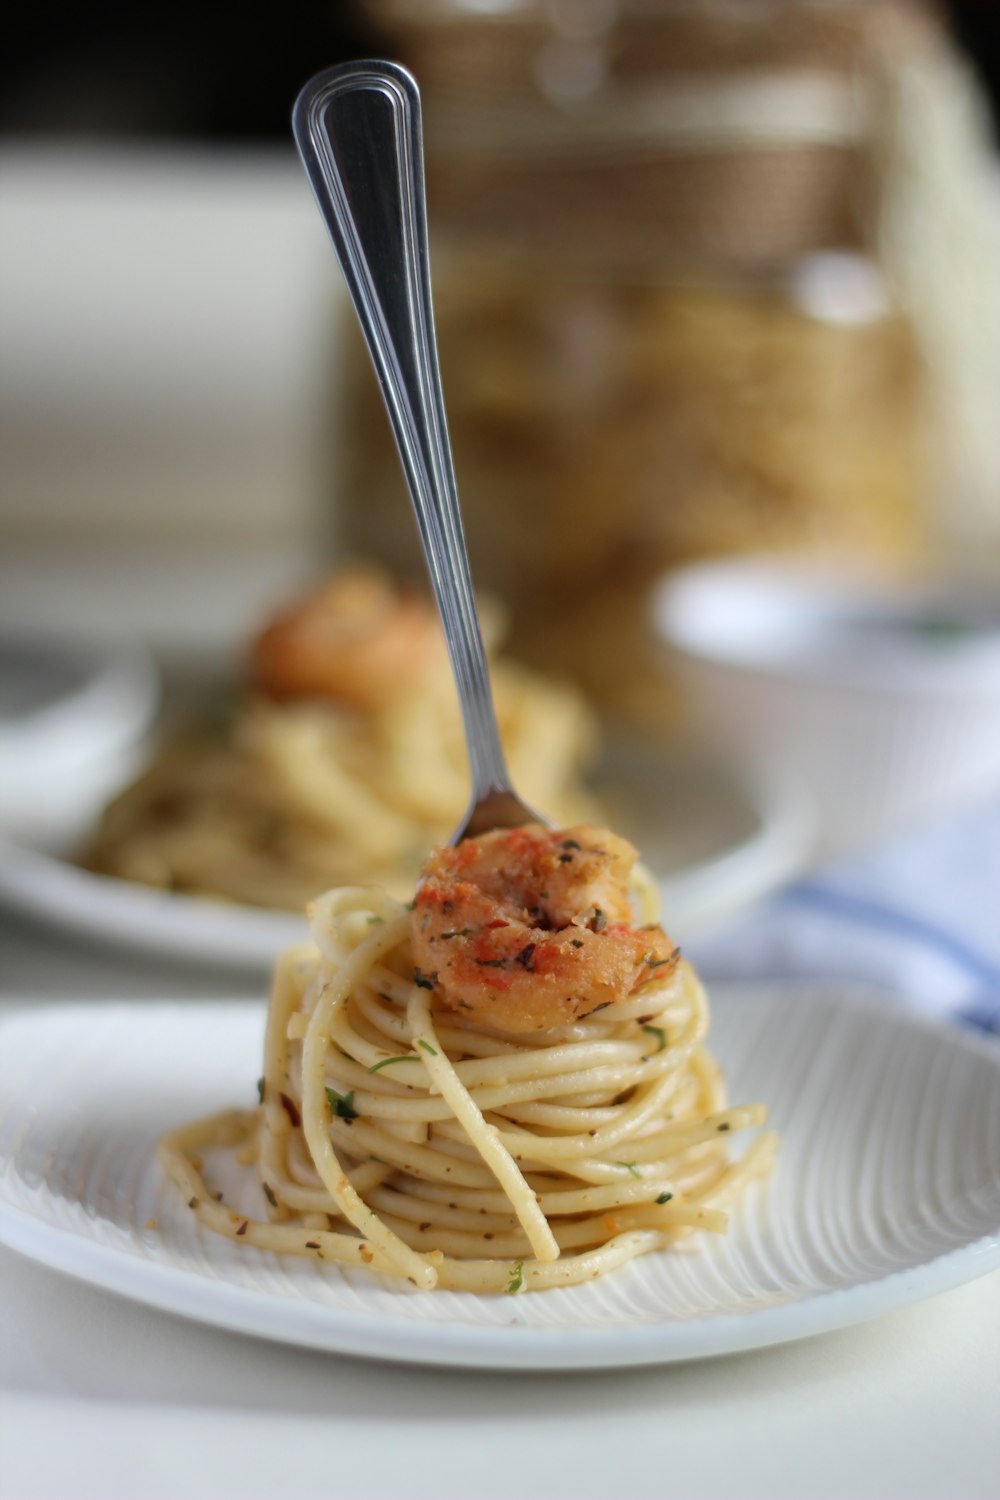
column 881, row 703
column 73, row 720
column 713, row 842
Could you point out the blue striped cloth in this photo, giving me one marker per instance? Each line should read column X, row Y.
column 919, row 916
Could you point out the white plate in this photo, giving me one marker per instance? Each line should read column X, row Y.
column 73, row 717
column 715, row 845
column 887, row 1190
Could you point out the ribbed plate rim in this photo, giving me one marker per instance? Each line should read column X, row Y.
column 186, row 1293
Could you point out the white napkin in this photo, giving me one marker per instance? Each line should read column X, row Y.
column 920, row 916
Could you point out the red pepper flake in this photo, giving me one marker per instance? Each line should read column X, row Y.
column 292, row 1111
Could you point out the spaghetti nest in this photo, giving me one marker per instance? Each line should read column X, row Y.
column 401, row 1135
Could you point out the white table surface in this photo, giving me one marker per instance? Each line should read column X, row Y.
column 103, row 1397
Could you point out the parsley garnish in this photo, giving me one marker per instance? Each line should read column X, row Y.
column 660, row 1035
column 342, row 1105
column 269, row 1194
column 516, row 1279
column 664, row 1197
column 385, row 1061
column 629, row 1166
column 424, row 981
column 260, row 1090
column 426, row 1046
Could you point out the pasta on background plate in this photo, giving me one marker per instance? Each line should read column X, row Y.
column 501, row 1086
column 345, row 761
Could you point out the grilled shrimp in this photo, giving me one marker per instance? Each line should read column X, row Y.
column 525, row 929
column 357, row 640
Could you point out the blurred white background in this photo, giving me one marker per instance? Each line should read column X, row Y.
column 167, row 328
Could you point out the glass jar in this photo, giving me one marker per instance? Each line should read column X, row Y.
column 649, row 353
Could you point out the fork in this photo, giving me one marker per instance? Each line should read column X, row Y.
column 357, row 128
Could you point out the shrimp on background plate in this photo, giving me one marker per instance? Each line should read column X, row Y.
column 358, row 639
column 526, row 929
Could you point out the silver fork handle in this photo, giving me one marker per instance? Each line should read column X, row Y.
column 358, row 131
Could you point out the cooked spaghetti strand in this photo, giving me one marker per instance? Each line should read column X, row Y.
column 396, row 1135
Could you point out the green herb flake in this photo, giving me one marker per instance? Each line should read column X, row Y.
column 629, row 1166
column 260, row 1090
column 659, row 1033
column 724, row 1126
column 373, row 921
column 516, row 1279
column 342, row 1105
column 424, row 981
column 385, row 1061
column 269, row 1194
column 664, row 1197
column 426, row 1047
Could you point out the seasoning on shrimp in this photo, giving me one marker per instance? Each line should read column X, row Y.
column 530, row 928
